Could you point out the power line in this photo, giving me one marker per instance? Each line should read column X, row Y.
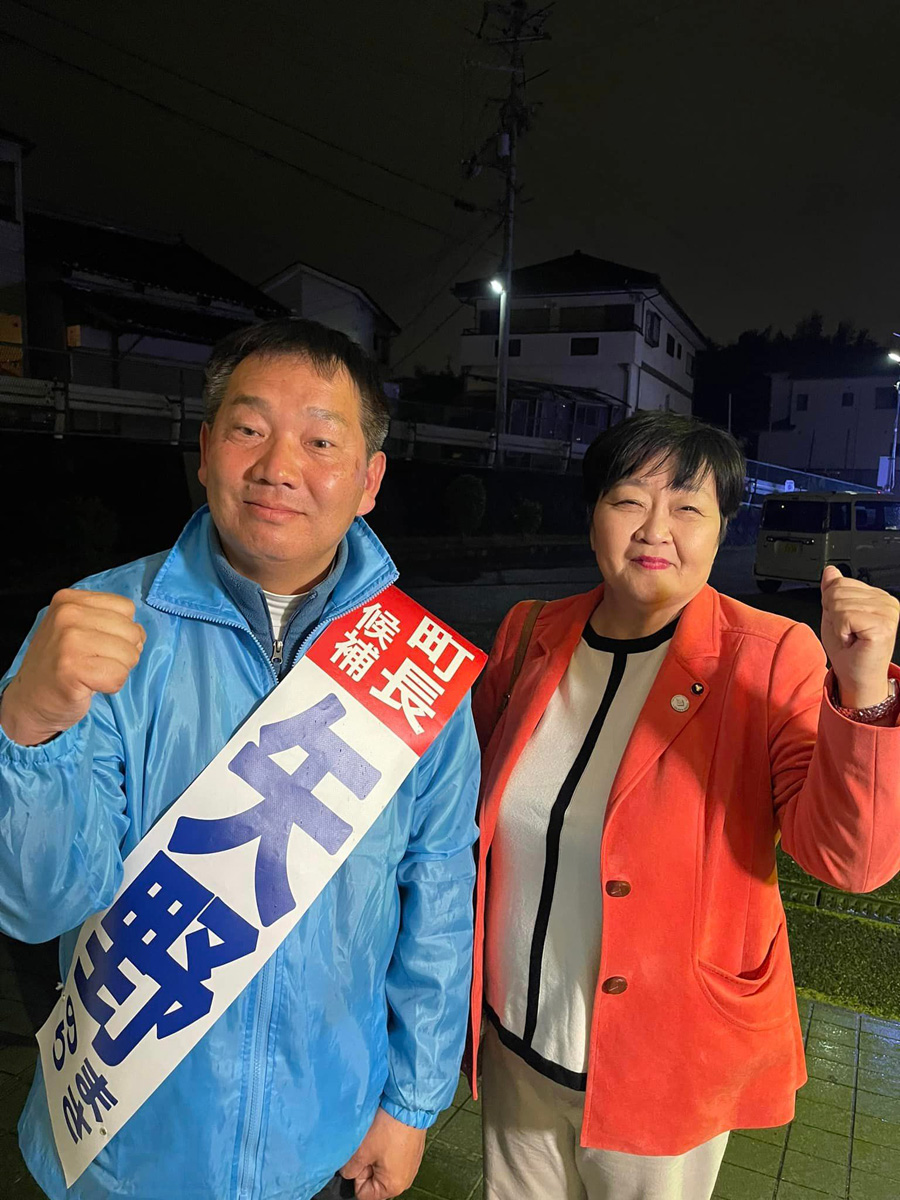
column 230, row 137
column 307, row 133
column 444, row 286
column 428, row 336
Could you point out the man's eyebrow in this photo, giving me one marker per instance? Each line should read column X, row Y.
column 328, row 414
column 249, row 401
column 262, row 405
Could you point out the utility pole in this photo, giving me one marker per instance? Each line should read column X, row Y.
column 509, row 26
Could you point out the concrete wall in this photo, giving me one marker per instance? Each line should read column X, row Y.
column 333, row 304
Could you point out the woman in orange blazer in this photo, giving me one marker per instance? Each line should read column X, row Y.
column 631, row 956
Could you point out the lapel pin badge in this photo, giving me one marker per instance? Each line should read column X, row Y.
column 680, row 703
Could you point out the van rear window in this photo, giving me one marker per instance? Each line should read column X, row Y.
column 795, row 516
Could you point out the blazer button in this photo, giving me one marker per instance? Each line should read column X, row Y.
column 615, row 985
column 618, row 887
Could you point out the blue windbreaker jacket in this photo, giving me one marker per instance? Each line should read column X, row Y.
column 366, row 1001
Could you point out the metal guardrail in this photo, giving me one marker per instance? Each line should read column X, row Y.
column 67, row 403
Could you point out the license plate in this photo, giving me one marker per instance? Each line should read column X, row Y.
column 788, row 547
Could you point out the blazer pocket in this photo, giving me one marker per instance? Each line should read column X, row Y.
column 757, row 999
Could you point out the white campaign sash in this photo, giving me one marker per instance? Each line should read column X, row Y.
column 212, row 890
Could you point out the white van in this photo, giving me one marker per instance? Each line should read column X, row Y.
column 802, row 532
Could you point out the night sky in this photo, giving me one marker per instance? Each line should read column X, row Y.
column 746, row 150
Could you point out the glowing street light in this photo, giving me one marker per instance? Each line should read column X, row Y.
column 895, row 357
column 498, row 288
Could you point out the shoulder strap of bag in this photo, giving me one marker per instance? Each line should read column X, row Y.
column 521, row 650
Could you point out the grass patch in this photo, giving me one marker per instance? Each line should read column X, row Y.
column 848, row 961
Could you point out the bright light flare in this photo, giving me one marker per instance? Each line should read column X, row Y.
column 497, row 287
column 894, row 356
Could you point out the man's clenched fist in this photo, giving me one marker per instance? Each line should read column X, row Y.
column 87, row 642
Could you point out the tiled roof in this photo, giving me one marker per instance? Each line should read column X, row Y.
column 572, row 274
column 134, row 314
column 158, row 262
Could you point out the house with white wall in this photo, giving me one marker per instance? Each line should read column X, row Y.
column 581, row 321
column 842, row 426
column 318, row 296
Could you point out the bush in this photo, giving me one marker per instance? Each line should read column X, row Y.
column 527, row 515
column 465, row 503
column 846, row 961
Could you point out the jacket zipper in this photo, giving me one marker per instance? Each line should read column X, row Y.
column 265, row 995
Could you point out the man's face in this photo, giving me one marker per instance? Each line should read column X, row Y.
column 286, row 470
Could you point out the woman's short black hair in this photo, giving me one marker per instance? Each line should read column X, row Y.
column 689, row 448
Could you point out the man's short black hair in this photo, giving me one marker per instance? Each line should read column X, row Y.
column 326, row 350
column 666, row 440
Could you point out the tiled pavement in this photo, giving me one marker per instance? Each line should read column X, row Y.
column 844, row 1143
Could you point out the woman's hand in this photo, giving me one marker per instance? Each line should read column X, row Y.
column 859, row 629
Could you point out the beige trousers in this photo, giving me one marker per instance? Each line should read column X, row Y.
column 532, row 1131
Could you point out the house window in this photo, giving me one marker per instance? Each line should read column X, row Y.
column 886, row 397
column 651, row 330
column 689, row 364
column 606, row 318
column 515, row 347
column 489, row 320
column 678, row 355
column 529, row 320
column 670, row 345
column 802, row 401
column 584, row 345
column 847, row 400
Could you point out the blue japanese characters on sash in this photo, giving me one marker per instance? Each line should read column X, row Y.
column 148, row 918
column 156, row 910
column 287, row 800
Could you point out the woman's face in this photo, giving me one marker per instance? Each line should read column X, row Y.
column 655, row 544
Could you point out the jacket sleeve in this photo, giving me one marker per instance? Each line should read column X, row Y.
column 430, row 972
column 494, row 680
column 62, row 821
column 836, row 782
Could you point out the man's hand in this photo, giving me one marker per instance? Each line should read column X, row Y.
column 859, row 628
column 387, row 1160
column 87, row 642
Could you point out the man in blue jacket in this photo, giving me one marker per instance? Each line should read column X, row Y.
column 346, row 1045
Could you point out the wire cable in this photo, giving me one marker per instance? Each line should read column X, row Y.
column 230, row 137
column 259, row 112
column 443, row 288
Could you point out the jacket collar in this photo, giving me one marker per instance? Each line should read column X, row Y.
column 697, row 636
column 188, row 584
column 557, row 633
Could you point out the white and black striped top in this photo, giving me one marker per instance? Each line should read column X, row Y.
column 545, row 899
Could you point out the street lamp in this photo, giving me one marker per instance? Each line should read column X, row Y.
column 500, row 287
column 895, row 358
